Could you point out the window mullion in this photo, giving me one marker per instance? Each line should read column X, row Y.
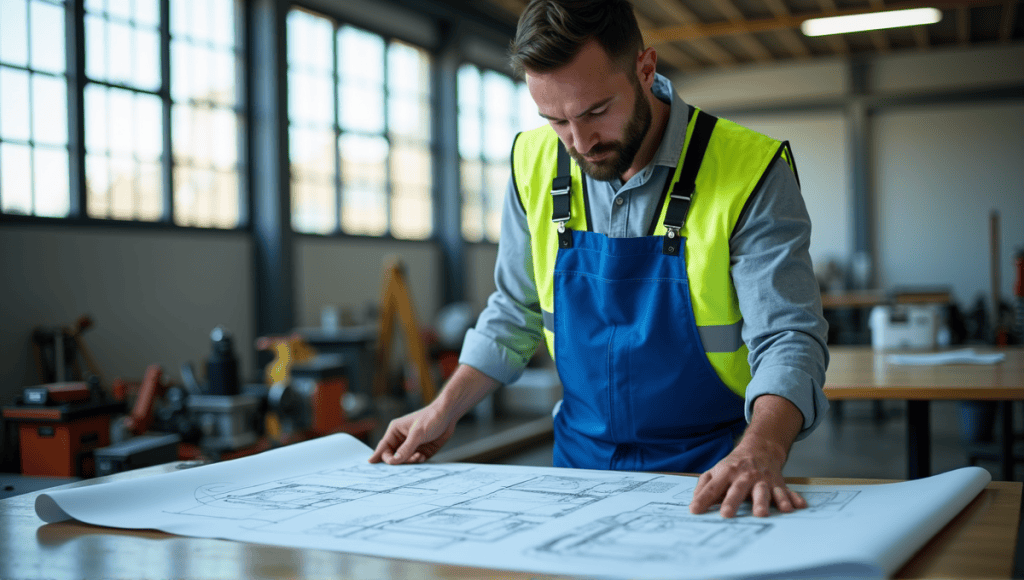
column 485, row 203
column 75, row 78
column 167, row 159
column 388, row 189
column 336, row 126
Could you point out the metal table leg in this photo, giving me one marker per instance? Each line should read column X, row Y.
column 1007, row 443
column 919, row 443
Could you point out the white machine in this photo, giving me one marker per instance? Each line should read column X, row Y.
column 904, row 327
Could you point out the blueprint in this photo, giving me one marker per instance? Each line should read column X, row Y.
column 323, row 494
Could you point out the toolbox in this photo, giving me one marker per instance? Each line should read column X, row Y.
column 60, row 425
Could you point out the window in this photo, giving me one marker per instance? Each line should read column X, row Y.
column 135, row 116
column 123, row 111
column 206, row 114
column 359, row 131
column 492, row 109
column 34, row 154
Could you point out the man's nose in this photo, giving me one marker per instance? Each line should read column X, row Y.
column 583, row 137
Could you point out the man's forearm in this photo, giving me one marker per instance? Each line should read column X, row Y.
column 775, row 423
column 464, row 390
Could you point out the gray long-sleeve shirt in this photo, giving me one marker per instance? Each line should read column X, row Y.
column 770, row 265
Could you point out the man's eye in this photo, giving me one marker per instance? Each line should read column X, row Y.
column 600, row 111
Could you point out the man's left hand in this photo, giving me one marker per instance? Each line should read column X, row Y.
column 754, row 468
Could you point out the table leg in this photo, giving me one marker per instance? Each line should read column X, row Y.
column 1007, row 442
column 919, row 444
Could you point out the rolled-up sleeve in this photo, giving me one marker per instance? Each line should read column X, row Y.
column 779, row 298
column 510, row 327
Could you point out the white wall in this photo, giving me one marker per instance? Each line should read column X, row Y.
column 820, row 145
column 758, row 85
column 936, row 171
column 940, row 172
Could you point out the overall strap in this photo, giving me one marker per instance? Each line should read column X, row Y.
column 683, row 189
column 561, row 197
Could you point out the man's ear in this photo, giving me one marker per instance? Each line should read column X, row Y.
column 646, row 66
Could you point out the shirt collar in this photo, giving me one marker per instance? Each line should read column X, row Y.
column 674, row 138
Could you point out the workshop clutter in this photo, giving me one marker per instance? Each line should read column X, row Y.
column 60, row 426
column 61, row 353
column 211, row 418
column 78, row 429
column 307, row 391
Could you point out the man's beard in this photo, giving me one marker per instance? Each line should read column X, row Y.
column 623, row 152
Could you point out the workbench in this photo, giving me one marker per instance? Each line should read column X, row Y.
column 860, row 373
column 978, row 543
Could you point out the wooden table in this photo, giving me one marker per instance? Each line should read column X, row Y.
column 978, row 543
column 869, row 298
column 861, row 373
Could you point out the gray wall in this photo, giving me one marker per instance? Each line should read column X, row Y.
column 348, row 273
column 940, row 160
column 154, row 295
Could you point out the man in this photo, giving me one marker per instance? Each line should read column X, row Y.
column 679, row 323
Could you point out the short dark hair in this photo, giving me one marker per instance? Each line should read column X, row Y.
column 552, row 32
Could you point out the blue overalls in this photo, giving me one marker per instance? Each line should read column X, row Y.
column 639, row 392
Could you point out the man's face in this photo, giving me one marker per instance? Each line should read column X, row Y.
column 598, row 111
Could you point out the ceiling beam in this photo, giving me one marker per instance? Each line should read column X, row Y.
column 1006, row 24
column 754, row 48
column 921, row 37
column 963, row 25
column 707, row 49
column 836, row 41
column 790, row 39
column 878, row 37
column 668, row 52
column 694, row 30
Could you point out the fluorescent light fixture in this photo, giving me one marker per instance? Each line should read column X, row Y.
column 871, row 21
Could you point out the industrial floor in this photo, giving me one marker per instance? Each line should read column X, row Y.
column 864, row 440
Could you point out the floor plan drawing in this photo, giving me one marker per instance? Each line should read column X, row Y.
column 656, row 532
column 489, row 517
column 324, row 495
column 820, row 504
column 466, row 503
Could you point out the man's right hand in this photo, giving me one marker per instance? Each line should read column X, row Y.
column 416, row 437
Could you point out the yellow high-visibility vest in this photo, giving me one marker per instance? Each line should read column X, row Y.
column 734, row 164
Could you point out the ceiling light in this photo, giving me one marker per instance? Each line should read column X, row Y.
column 870, row 21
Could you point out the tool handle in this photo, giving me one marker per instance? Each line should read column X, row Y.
column 141, row 417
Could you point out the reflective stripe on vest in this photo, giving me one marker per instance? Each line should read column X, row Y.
column 734, row 164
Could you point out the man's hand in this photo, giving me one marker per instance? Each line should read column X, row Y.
column 416, row 437
column 754, row 468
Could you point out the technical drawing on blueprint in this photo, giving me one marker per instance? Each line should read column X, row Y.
column 322, row 494
column 428, row 506
column 820, row 504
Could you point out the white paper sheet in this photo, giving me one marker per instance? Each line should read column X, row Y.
column 964, row 356
column 323, row 494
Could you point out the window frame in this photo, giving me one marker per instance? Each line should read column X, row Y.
column 77, row 81
column 482, row 158
column 432, row 142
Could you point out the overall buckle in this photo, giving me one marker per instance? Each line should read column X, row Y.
column 672, row 241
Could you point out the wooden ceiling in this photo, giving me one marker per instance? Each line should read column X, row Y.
column 699, row 35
